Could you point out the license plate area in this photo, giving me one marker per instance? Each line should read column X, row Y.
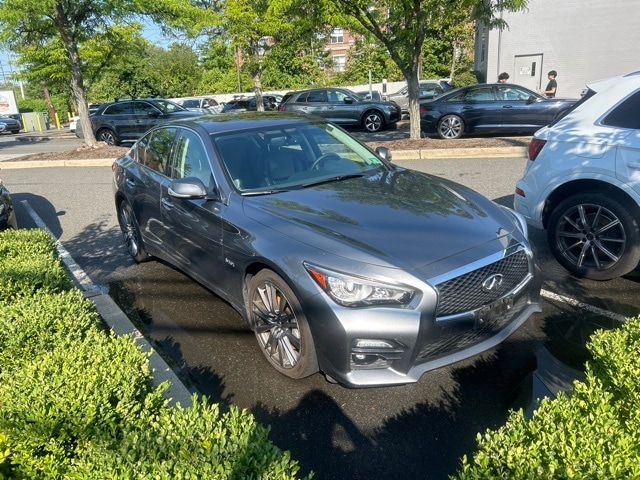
column 493, row 310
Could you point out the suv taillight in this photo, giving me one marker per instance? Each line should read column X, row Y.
column 282, row 108
column 535, row 146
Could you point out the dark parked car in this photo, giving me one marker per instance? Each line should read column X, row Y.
column 429, row 89
column 370, row 95
column 7, row 212
column 8, row 124
column 248, row 104
column 297, row 225
column 343, row 107
column 489, row 108
column 125, row 121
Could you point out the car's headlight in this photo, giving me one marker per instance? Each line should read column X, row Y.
column 353, row 291
column 518, row 220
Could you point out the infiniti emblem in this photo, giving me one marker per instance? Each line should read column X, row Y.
column 492, row 282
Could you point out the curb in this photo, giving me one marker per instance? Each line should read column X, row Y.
column 95, row 162
column 177, row 393
column 422, row 154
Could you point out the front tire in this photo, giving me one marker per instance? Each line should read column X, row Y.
column 594, row 236
column 450, row 127
column 131, row 233
column 280, row 326
column 373, row 121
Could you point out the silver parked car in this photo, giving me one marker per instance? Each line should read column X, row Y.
column 343, row 107
column 429, row 89
column 338, row 260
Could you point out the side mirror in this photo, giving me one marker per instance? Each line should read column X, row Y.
column 384, row 153
column 188, row 187
column 532, row 99
column 348, row 100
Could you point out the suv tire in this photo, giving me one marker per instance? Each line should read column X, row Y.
column 107, row 136
column 594, row 236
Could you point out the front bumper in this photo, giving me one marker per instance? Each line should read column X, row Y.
column 394, row 346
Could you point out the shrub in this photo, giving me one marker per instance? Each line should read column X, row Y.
column 592, row 433
column 28, row 264
column 78, row 402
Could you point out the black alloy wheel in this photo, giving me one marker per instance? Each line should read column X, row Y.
column 131, row 234
column 280, row 326
column 594, row 236
column 107, row 136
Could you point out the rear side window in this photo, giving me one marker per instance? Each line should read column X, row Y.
column 157, row 150
column 317, row 96
column 626, row 114
column 123, row 108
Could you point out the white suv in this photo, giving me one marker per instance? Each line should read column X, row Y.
column 582, row 181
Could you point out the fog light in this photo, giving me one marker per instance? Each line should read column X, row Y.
column 359, row 361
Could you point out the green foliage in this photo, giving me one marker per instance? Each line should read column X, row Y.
column 592, row 433
column 365, row 57
column 191, row 443
column 78, row 402
column 26, row 264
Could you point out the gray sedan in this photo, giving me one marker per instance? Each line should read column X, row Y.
column 337, row 259
column 343, row 107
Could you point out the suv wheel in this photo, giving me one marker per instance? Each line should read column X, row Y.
column 373, row 121
column 594, row 236
column 107, row 136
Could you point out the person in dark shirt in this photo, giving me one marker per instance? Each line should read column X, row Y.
column 503, row 77
column 552, row 86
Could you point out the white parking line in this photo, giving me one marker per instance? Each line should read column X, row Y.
column 584, row 306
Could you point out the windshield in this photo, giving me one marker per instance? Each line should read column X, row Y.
column 292, row 156
column 167, row 107
column 357, row 97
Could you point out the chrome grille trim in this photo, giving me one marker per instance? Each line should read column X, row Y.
column 460, row 297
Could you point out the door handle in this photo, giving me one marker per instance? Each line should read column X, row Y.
column 130, row 182
column 507, row 106
column 166, row 203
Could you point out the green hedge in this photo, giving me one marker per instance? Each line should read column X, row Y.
column 78, row 402
column 594, row 432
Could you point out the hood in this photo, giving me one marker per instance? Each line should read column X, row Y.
column 397, row 218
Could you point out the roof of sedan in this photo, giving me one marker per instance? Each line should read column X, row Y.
column 247, row 120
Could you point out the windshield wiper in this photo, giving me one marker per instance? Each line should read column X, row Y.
column 337, row 178
column 264, row 192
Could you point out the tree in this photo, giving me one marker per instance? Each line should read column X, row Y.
column 260, row 28
column 402, row 26
column 28, row 25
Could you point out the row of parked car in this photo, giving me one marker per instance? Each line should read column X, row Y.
column 444, row 112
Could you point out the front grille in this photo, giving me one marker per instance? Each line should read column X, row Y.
column 465, row 294
column 465, row 338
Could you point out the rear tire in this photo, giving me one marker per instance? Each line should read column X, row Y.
column 450, row 127
column 594, row 236
column 131, row 233
column 280, row 326
column 107, row 136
